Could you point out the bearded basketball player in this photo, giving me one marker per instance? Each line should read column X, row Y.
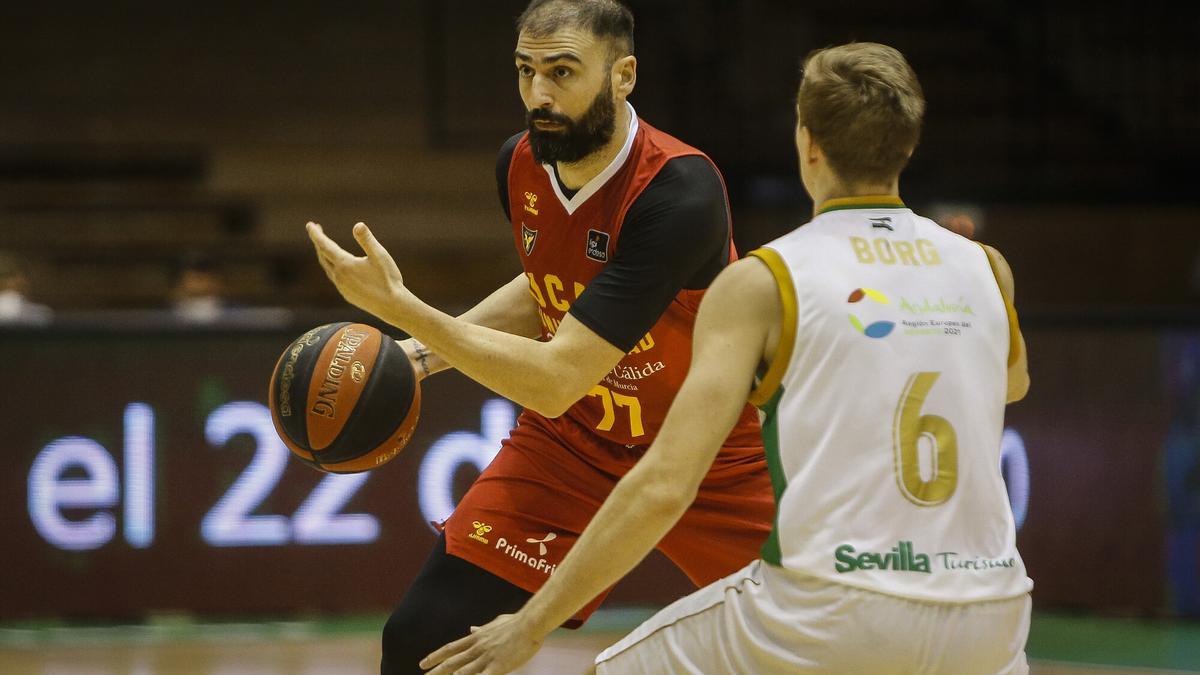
column 620, row 229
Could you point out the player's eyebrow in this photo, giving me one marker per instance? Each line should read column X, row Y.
column 549, row 58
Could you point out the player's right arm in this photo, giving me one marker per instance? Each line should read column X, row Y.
column 677, row 225
column 1018, row 363
column 509, row 309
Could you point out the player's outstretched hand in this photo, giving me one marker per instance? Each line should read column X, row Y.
column 498, row 647
column 372, row 283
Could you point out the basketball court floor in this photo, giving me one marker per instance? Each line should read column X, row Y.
column 1058, row 645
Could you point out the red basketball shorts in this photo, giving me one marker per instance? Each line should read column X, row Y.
column 531, row 503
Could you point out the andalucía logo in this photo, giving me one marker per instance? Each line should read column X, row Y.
column 877, row 329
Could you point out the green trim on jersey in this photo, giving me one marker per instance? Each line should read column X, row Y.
column 865, row 202
column 771, row 552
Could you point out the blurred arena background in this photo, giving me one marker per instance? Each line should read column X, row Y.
column 158, row 163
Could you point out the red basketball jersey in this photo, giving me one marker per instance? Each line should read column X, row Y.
column 562, row 246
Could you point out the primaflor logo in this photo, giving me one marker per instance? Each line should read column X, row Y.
column 538, row 562
column 875, row 329
column 542, row 542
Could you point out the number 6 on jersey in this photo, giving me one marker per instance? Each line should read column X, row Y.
column 908, row 428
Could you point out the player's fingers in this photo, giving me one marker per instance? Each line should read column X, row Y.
column 327, row 249
column 331, row 257
column 463, row 662
column 446, row 651
column 316, row 234
column 325, row 263
column 371, row 246
column 472, row 663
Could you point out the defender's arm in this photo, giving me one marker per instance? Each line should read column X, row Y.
column 736, row 329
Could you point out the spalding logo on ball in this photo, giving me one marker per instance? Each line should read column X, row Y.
column 344, row 398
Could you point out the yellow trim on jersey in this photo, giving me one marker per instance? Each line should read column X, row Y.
column 863, row 202
column 1014, row 326
column 770, row 382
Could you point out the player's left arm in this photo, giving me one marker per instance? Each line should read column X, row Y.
column 1018, row 366
column 738, row 318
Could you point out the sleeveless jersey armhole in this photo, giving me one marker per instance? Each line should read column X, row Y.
column 1014, row 327
column 770, row 382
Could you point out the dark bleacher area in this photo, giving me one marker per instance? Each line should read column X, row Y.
column 133, row 135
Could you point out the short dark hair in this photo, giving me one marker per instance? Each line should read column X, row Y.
column 603, row 18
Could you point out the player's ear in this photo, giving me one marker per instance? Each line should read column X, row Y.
column 807, row 147
column 624, row 75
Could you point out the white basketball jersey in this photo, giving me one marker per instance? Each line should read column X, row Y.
column 885, row 406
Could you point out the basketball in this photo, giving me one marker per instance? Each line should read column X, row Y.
column 344, row 398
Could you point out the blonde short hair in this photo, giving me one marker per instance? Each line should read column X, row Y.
column 863, row 105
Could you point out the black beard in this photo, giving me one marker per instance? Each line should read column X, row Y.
column 577, row 139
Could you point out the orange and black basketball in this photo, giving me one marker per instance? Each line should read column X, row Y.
column 344, row 398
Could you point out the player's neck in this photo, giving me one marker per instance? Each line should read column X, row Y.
column 577, row 174
column 838, row 190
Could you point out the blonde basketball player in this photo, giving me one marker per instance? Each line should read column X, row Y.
column 887, row 348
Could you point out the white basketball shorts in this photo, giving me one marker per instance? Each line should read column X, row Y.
column 767, row 620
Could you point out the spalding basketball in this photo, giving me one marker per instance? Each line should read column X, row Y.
column 344, row 398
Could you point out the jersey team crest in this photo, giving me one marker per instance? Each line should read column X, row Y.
column 528, row 238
